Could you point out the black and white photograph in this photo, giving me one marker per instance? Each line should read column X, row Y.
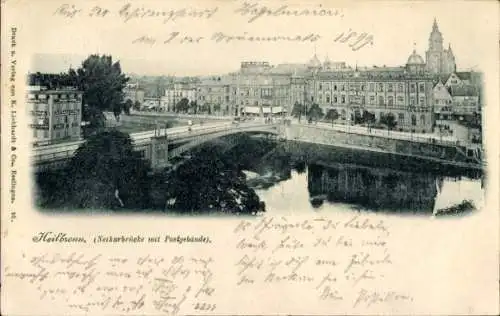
column 319, row 133
column 249, row 157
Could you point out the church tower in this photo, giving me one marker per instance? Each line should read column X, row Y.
column 439, row 60
column 435, row 51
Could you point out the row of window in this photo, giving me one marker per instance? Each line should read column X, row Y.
column 371, row 100
column 41, row 134
column 62, row 106
column 42, row 96
column 389, row 87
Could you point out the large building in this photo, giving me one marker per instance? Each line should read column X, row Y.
column 405, row 92
column 133, row 93
column 55, row 114
column 177, row 91
column 438, row 59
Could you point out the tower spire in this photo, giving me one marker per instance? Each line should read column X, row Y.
column 435, row 25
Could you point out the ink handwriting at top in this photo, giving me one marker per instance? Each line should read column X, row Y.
column 129, row 12
column 256, row 11
column 97, row 283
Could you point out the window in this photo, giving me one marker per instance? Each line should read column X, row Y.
column 421, row 87
column 335, row 87
column 413, row 120
column 372, row 87
column 400, row 99
column 401, row 117
column 412, row 101
column 422, row 101
column 422, row 119
column 35, row 132
column 412, row 88
column 400, row 87
column 343, row 99
column 320, row 86
column 381, row 100
column 335, row 99
column 389, row 87
column 372, row 99
column 327, row 98
column 320, row 98
column 342, row 87
column 362, row 87
column 390, row 101
column 380, row 87
column 312, row 98
column 45, row 133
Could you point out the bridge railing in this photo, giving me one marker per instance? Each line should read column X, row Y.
column 66, row 151
column 363, row 130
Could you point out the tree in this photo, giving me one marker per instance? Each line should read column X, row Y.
column 182, row 105
column 217, row 107
column 102, row 83
column 137, row 105
column 106, row 172
column 388, row 120
column 368, row 117
column 193, row 106
column 298, row 110
column 127, row 106
column 332, row 115
column 315, row 112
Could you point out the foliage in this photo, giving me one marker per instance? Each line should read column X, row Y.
column 193, row 107
column 182, row 105
column 210, row 181
column 102, row 83
column 315, row 112
column 105, row 170
column 51, row 81
column 332, row 115
column 388, row 120
column 127, row 106
column 298, row 109
column 137, row 105
column 368, row 117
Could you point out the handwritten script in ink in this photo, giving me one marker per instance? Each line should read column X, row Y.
column 246, row 12
column 341, row 261
column 103, row 284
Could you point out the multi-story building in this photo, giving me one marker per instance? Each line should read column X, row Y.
column 56, row 114
column 404, row 92
column 133, row 93
column 260, row 89
column 214, row 95
column 442, row 99
column 177, row 91
column 465, row 100
column 439, row 60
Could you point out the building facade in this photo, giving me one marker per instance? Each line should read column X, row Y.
column 405, row 92
column 177, row 91
column 56, row 115
column 214, row 95
column 133, row 93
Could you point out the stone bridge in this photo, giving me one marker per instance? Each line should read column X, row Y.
column 162, row 145
column 154, row 145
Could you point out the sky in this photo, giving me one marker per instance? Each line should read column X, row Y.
column 54, row 42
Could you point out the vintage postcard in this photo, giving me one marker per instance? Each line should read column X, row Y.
column 245, row 157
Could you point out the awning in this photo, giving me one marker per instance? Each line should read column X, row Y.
column 265, row 109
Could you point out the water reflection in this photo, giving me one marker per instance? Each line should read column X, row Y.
column 329, row 185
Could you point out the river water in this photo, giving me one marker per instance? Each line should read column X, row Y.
column 354, row 181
